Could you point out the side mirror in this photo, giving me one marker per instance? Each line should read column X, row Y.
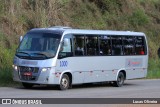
column 20, row 39
column 66, row 42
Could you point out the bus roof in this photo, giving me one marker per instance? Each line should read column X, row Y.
column 68, row 30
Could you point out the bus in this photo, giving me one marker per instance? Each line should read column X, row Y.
column 63, row 56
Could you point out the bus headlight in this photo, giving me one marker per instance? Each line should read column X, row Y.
column 15, row 67
column 45, row 69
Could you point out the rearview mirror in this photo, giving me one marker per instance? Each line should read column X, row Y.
column 20, row 39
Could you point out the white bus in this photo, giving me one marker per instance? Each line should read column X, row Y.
column 64, row 56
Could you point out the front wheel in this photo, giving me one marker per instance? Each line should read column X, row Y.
column 120, row 80
column 27, row 85
column 65, row 82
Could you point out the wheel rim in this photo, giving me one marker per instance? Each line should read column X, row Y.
column 64, row 82
column 120, row 79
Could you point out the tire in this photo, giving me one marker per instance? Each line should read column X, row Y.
column 120, row 80
column 65, row 82
column 27, row 85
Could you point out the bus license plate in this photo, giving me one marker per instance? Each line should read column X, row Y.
column 28, row 74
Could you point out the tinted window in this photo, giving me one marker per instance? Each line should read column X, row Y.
column 92, row 45
column 79, row 45
column 129, row 45
column 105, row 45
column 116, row 45
column 140, row 46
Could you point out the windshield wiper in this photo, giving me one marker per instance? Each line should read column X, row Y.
column 41, row 54
column 24, row 53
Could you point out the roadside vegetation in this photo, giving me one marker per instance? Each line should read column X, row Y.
column 19, row 16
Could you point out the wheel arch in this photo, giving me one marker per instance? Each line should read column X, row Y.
column 123, row 71
column 69, row 75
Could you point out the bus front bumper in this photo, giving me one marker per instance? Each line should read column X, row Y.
column 43, row 76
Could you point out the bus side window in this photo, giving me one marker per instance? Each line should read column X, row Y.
column 129, row 48
column 105, row 45
column 92, row 45
column 79, row 45
column 117, row 45
column 66, row 47
column 140, row 46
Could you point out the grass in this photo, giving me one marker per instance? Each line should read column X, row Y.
column 6, row 66
column 6, row 58
column 138, row 18
column 153, row 69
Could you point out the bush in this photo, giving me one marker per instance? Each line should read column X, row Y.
column 153, row 69
column 138, row 18
column 6, row 58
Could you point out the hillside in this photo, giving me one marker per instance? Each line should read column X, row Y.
column 19, row 16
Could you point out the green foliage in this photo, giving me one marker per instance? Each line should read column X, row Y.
column 154, row 68
column 6, row 59
column 108, row 5
column 64, row 2
column 86, row 15
column 138, row 18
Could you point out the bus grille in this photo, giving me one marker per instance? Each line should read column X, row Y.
column 28, row 73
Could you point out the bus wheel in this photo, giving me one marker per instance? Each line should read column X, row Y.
column 27, row 85
column 120, row 80
column 65, row 82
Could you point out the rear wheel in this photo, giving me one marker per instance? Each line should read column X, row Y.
column 120, row 80
column 27, row 85
column 65, row 82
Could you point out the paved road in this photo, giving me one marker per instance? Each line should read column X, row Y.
column 131, row 89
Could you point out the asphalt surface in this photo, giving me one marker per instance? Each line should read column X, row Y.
column 142, row 88
column 131, row 89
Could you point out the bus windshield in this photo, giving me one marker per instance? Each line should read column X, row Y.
column 38, row 46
